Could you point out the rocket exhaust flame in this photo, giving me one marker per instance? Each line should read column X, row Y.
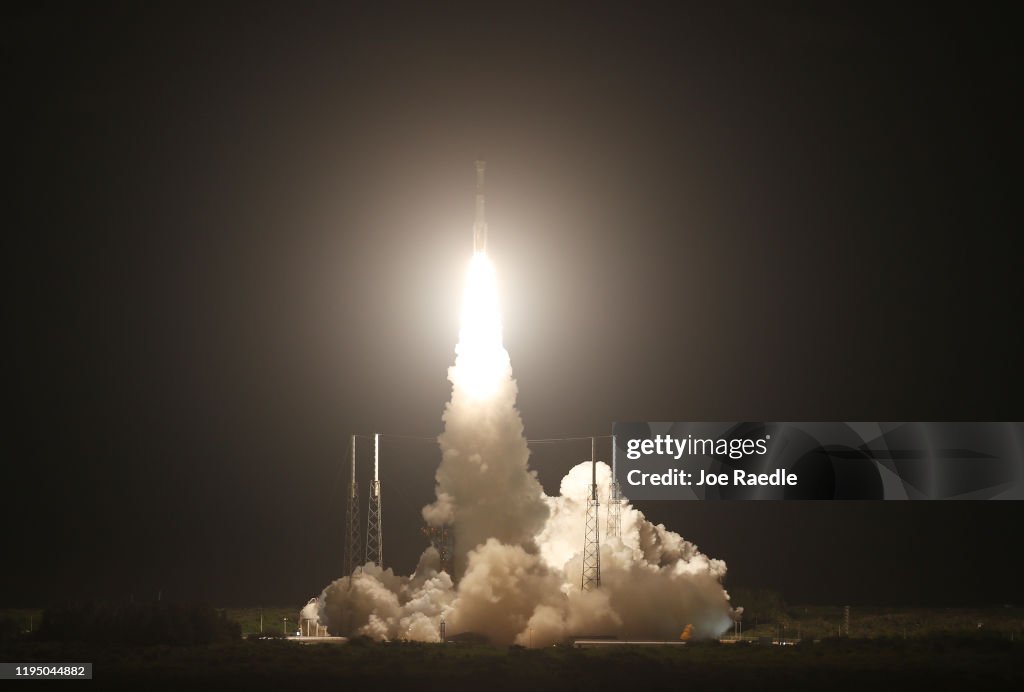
column 481, row 356
column 517, row 557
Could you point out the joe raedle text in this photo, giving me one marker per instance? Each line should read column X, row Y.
column 700, row 477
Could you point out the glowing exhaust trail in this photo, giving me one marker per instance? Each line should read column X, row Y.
column 482, row 358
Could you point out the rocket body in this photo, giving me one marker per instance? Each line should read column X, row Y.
column 480, row 221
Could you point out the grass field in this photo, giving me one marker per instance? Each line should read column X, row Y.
column 273, row 618
column 940, row 663
column 960, row 648
column 819, row 622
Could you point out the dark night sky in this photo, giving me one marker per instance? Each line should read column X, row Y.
column 239, row 235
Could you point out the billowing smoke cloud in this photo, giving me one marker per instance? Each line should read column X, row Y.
column 518, row 552
column 484, row 487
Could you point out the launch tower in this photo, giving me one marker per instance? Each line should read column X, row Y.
column 443, row 540
column 352, row 552
column 374, row 530
column 592, row 532
column 614, row 499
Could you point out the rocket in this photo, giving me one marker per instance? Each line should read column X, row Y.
column 480, row 223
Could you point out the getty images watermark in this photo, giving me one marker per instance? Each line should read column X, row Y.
column 820, row 461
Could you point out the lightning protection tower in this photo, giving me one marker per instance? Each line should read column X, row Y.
column 614, row 499
column 592, row 533
column 374, row 531
column 352, row 551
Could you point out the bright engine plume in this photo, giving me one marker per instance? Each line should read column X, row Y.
column 482, row 358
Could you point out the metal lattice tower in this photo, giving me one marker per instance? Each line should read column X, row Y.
column 614, row 500
column 443, row 540
column 352, row 551
column 374, row 531
column 592, row 533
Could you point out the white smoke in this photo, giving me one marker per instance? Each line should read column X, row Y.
column 518, row 552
